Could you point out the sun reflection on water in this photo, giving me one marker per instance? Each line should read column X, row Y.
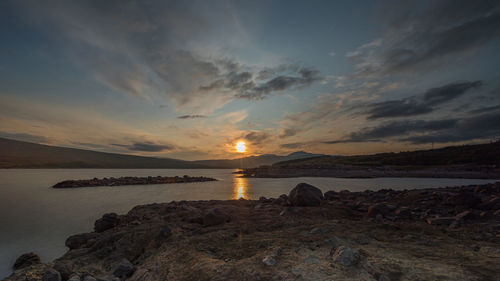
column 240, row 188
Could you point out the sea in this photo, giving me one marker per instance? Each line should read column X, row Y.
column 34, row 217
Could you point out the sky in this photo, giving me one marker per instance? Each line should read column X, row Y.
column 189, row 79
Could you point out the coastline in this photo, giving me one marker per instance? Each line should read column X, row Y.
column 373, row 172
column 391, row 232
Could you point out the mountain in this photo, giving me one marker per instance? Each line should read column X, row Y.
column 19, row 154
column 255, row 161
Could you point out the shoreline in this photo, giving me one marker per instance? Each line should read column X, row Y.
column 370, row 172
column 418, row 233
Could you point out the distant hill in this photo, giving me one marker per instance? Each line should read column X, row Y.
column 480, row 154
column 255, row 161
column 19, row 154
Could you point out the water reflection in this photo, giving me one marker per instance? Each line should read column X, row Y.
column 240, row 188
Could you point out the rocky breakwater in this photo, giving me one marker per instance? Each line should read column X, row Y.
column 129, row 181
column 303, row 235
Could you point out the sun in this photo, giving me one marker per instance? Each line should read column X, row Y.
column 241, row 147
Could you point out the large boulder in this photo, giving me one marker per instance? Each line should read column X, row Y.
column 305, row 195
column 26, row 260
column 107, row 221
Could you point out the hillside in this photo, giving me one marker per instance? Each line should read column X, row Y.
column 480, row 161
column 480, row 154
column 19, row 154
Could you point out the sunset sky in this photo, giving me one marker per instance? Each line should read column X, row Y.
column 189, row 79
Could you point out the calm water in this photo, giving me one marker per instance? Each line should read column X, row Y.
column 35, row 217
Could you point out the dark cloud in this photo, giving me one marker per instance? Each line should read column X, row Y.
column 421, row 104
column 293, row 145
column 421, row 36
column 395, row 129
column 485, row 109
column 191, row 116
column 485, row 126
column 281, row 78
column 24, row 137
column 257, row 137
column 147, row 146
column 303, row 77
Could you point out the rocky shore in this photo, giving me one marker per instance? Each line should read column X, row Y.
column 129, row 181
column 449, row 233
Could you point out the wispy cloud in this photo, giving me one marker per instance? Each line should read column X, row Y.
column 421, row 37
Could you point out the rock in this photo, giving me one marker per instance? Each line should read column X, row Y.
column 319, row 230
column 465, row 215
column 492, row 204
column 64, row 268
column 346, row 256
column 363, row 239
column 311, row 259
column 455, row 224
column 107, row 221
column 335, row 242
column 74, row 278
column 331, row 195
column 403, row 213
column 441, row 220
column 269, row 261
column 378, row 209
column 51, row 275
column 305, row 195
column 165, row 232
column 123, row 269
column 284, row 197
column 78, row 241
column 26, row 260
column 89, row 278
column 467, row 199
column 288, row 211
column 383, row 277
column 215, row 217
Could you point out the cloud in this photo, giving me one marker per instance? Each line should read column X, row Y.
column 147, row 146
column 257, row 137
column 422, row 104
column 485, row 126
column 194, row 116
column 247, row 85
column 148, row 49
column 396, row 128
column 485, row 109
column 477, row 127
column 24, row 137
column 293, row 145
column 419, row 36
